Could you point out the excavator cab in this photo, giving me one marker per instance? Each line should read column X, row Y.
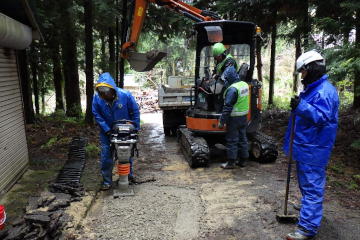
column 239, row 37
column 201, row 133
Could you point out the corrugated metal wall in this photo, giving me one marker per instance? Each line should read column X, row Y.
column 13, row 145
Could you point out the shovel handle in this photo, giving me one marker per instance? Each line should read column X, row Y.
column 290, row 162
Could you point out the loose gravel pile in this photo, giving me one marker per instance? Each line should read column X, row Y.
column 155, row 212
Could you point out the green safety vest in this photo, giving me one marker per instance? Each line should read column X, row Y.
column 220, row 65
column 241, row 106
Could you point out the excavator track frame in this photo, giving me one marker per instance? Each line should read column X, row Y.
column 262, row 147
column 195, row 148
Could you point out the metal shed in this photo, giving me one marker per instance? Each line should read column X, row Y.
column 18, row 28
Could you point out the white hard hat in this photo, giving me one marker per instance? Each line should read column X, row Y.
column 307, row 58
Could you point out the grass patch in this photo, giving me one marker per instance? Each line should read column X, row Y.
column 45, row 163
column 31, row 184
column 336, row 169
column 356, row 179
column 353, row 185
column 50, row 142
column 356, row 144
column 92, row 151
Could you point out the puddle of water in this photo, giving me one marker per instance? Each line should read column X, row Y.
column 156, row 136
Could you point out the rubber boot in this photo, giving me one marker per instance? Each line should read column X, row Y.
column 229, row 165
column 297, row 206
column 242, row 162
column 296, row 236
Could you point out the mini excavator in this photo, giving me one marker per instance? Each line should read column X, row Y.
column 201, row 134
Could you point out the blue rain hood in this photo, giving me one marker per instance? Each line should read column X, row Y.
column 106, row 80
column 230, row 76
column 316, row 124
column 124, row 106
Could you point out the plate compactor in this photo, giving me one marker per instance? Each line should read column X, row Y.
column 124, row 137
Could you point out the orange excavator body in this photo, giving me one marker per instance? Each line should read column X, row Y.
column 201, row 132
column 142, row 62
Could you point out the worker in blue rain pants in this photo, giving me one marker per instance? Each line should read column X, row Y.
column 234, row 114
column 111, row 103
column 316, row 122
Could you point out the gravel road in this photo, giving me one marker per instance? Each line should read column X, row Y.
column 177, row 202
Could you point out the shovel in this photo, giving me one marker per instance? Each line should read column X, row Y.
column 288, row 217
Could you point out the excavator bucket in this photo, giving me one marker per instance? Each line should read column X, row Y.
column 142, row 62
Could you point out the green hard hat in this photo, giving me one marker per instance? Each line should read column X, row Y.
column 218, row 49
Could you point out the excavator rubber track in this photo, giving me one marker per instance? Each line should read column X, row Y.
column 194, row 148
column 262, row 147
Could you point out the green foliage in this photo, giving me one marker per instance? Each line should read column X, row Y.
column 61, row 116
column 171, row 32
column 356, row 144
column 346, row 99
column 92, row 151
column 342, row 61
column 50, row 142
column 180, row 61
column 353, row 185
column 336, row 169
column 74, row 111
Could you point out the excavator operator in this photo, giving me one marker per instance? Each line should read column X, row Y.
column 223, row 59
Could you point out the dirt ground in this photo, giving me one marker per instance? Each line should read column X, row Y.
column 177, row 202
column 203, row 203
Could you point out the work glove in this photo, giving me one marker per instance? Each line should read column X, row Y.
column 216, row 77
column 220, row 125
column 295, row 100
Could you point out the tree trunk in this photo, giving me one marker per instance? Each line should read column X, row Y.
column 89, row 61
column 103, row 65
column 43, row 102
column 357, row 72
column 112, row 53
column 58, row 78
column 35, row 86
column 297, row 55
column 272, row 63
column 26, row 87
column 259, row 63
column 173, row 67
column 124, row 29
column 72, row 89
column 306, row 25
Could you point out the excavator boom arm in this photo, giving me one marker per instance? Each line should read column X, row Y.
column 140, row 13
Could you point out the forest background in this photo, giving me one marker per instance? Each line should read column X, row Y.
column 83, row 39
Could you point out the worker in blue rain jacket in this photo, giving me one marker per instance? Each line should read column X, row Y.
column 234, row 114
column 111, row 103
column 316, row 122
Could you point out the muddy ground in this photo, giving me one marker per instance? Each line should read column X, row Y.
column 174, row 201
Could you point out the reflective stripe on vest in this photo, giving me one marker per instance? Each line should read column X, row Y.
column 220, row 65
column 241, row 106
